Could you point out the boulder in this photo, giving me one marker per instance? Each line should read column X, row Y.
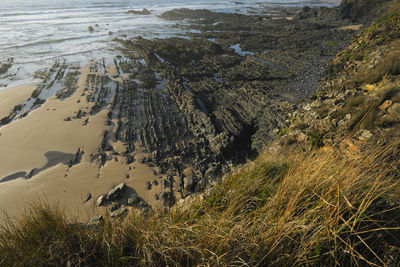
column 116, row 192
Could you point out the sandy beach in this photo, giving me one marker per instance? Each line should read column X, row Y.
column 25, row 142
column 11, row 97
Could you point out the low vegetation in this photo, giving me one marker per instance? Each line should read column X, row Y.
column 323, row 208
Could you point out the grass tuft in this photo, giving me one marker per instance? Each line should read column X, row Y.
column 303, row 209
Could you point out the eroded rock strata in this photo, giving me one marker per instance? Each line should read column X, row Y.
column 194, row 106
column 218, row 96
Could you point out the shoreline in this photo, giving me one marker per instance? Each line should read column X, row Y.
column 162, row 120
column 14, row 96
column 26, row 142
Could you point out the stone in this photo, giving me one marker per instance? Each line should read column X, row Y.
column 101, row 200
column 168, row 199
column 114, row 207
column 119, row 212
column 149, row 186
column 201, row 185
column 133, row 199
column 88, row 197
column 365, row 135
column 307, row 107
column 166, row 184
column 144, row 206
column 158, row 170
column 32, row 173
column 211, row 172
column 188, row 182
column 394, row 109
column 116, row 192
column 144, row 11
column 385, row 105
column 95, row 221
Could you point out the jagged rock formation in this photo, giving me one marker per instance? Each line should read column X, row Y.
column 192, row 107
column 204, row 102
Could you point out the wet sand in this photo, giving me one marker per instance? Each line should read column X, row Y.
column 11, row 97
column 43, row 143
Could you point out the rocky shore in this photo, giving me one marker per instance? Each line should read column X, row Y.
column 170, row 116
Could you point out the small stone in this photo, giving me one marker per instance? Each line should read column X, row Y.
column 188, row 182
column 211, row 172
column 88, row 197
column 365, row 135
column 385, row 105
column 307, row 107
column 168, row 199
column 149, row 186
column 166, row 184
column 301, row 137
column 155, row 183
column 95, row 221
column 31, row 173
column 158, row 170
column 119, row 212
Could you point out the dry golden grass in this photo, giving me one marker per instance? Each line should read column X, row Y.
column 319, row 209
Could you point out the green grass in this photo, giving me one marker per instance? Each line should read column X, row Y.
column 381, row 36
column 364, row 108
column 282, row 132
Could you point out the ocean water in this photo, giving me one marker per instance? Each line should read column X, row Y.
column 35, row 33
